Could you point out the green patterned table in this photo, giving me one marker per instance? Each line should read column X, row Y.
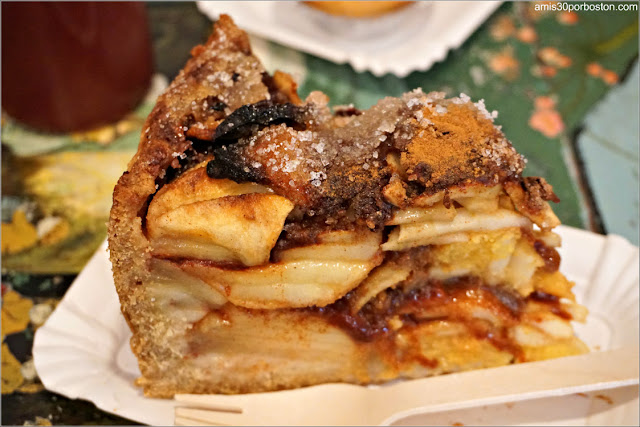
column 565, row 84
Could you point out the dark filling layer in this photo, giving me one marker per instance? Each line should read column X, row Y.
column 436, row 300
column 553, row 302
column 550, row 256
column 452, row 300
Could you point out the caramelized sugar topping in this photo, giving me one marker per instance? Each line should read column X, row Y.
column 335, row 166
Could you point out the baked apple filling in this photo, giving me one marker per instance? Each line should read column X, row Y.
column 216, row 220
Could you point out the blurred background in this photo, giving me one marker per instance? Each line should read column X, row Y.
column 78, row 81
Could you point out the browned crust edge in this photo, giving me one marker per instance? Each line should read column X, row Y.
column 163, row 135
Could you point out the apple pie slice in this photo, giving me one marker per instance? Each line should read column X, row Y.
column 261, row 242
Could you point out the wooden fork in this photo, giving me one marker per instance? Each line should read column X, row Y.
column 346, row 404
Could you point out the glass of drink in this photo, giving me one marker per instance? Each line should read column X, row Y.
column 70, row 66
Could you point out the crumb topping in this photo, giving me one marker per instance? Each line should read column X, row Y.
column 224, row 108
column 452, row 140
column 339, row 171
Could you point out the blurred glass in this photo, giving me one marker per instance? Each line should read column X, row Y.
column 69, row 66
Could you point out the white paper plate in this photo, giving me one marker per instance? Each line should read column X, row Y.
column 413, row 38
column 82, row 351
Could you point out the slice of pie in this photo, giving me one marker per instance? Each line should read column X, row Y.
column 261, row 242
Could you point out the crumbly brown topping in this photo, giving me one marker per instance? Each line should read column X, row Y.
column 330, row 165
column 446, row 142
column 338, row 171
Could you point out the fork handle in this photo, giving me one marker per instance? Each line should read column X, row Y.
column 556, row 377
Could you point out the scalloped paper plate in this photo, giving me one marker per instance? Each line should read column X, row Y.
column 413, row 38
column 82, row 351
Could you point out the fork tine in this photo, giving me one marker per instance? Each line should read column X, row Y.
column 179, row 421
column 292, row 408
column 184, row 421
column 207, row 417
column 205, row 402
